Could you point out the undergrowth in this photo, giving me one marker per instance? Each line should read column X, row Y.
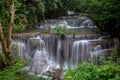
column 86, row 71
column 10, row 72
column 15, row 72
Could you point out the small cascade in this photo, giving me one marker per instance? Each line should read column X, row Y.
column 70, row 22
column 80, row 52
column 84, row 50
column 100, row 55
column 87, row 24
column 35, row 43
column 41, row 62
column 59, row 48
column 19, row 49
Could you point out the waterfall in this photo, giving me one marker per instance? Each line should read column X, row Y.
column 19, row 49
column 80, row 52
column 48, row 54
column 70, row 22
column 100, row 55
column 41, row 61
column 87, row 24
column 84, row 50
column 59, row 57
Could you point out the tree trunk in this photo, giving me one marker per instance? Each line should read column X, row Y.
column 2, row 40
column 7, row 44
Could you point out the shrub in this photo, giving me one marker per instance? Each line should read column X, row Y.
column 86, row 71
column 18, row 27
column 61, row 30
column 9, row 72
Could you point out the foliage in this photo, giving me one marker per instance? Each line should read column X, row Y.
column 106, row 15
column 108, row 70
column 9, row 72
column 4, row 13
column 15, row 72
column 61, row 30
column 18, row 28
column 20, row 17
column 78, row 5
column 2, row 61
column 86, row 71
column 54, row 8
column 36, row 9
column 19, row 22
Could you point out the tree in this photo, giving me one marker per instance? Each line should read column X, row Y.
column 6, row 41
column 33, row 10
column 77, row 5
column 54, row 8
column 106, row 14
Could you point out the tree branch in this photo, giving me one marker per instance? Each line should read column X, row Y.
column 11, row 19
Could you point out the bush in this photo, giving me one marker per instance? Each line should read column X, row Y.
column 86, row 71
column 61, row 30
column 18, row 27
column 9, row 73
column 15, row 72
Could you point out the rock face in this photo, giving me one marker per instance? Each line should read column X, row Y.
column 56, row 74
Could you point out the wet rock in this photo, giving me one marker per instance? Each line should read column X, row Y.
column 56, row 74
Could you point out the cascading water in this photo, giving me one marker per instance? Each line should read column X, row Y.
column 70, row 22
column 100, row 55
column 49, row 54
column 59, row 51
column 20, row 49
column 80, row 52
column 41, row 63
column 84, row 50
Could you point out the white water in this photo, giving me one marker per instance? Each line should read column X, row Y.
column 20, row 49
column 77, row 22
column 80, row 52
column 41, row 61
column 59, row 46
column 99, row 55
column 83, row 50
